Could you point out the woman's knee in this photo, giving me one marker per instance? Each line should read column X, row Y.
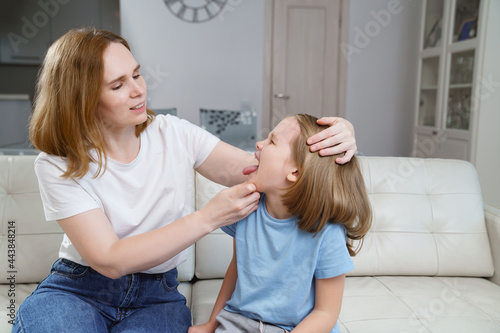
column 47, row 312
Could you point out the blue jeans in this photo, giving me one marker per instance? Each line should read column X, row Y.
column 76, row 298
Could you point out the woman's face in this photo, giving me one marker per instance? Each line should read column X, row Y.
column 122, row 104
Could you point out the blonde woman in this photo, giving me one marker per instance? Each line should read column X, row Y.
column 119, row 181
column 291, row 255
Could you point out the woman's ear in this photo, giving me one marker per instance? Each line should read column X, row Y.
column 293, row 176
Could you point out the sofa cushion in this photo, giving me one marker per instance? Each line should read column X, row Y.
column 185, row 271
column 428, row 219
column 205, row 190
column 11, row 296
column 420, row 304
column 213, row 254
column 204, row 295
column 398, row 304
column 24, row 230
column 185, row 289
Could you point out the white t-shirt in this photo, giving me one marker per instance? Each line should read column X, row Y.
column 154, row 190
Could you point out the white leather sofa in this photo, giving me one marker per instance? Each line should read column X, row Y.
column 428, row 263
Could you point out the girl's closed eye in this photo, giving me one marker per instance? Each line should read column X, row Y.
column 271, row 139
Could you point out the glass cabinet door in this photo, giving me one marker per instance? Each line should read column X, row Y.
column 461, row 75
column 460, row 90
column 466, row 20
column 433, row 24
column 450, row 59
column 428, row 92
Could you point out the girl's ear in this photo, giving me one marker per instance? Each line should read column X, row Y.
column 293, row 176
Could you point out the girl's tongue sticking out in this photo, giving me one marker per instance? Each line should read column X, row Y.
column 250, row 169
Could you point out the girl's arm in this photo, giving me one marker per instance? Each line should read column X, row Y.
column 225, row 293
column 327, row 305
column 225, row 164
column 96, row 241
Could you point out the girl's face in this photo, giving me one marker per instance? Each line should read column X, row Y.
column 123, row 95
column 275, row 158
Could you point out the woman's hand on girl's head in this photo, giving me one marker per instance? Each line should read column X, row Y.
column 231, row 205
column 336, row 139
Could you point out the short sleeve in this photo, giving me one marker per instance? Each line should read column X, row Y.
column 333, row 258
column 230, row 229
column 61, row 197
column 198, row 142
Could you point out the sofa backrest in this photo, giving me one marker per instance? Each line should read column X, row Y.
column 215, row 250
column 428, row 219
column 29, row 244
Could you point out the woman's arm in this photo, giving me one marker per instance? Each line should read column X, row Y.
column 327, row 305
column 96, row 241
column 225, row 163
column 225, row 293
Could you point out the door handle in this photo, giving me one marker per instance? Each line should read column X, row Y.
column 282, row 96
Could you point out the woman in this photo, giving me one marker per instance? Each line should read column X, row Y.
column 119, row 181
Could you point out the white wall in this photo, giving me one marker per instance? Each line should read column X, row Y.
column 487, row 159
column 381, row 83
column 217, row 64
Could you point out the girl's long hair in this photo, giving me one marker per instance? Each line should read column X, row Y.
column 64, row 121
column 326, row 191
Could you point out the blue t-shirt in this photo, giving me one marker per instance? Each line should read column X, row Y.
column 278, row 263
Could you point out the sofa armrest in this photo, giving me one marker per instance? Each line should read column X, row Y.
column 492, row 216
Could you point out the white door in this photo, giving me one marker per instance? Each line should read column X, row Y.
column 305, row 51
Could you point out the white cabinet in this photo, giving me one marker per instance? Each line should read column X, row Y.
column 451, row 76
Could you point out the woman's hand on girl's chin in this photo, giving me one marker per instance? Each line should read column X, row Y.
column 231, row 205
column 336, row 139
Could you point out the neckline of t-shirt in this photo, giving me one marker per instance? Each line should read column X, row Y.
column 142, row 147
column 270, row 217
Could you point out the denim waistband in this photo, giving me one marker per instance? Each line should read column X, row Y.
column 132, row 290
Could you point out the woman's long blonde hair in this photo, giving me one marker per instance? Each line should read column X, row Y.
column 326, row 191
column 64, row 121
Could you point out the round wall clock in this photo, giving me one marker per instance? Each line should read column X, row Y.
column 195, row 11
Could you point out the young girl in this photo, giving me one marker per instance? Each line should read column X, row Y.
column 291, row 255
